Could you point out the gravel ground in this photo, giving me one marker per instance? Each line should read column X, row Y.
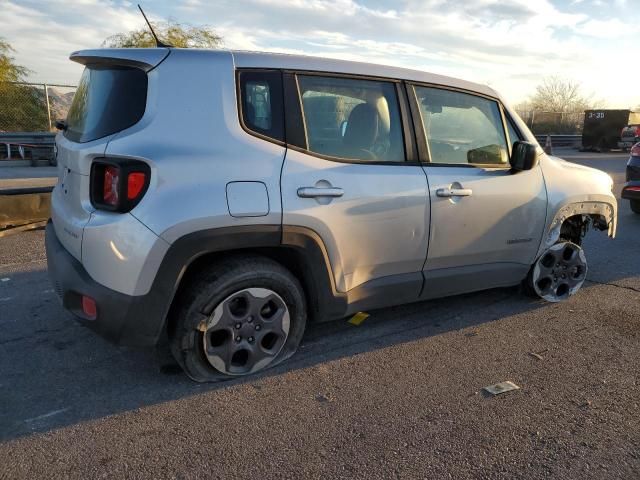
column 400, row 396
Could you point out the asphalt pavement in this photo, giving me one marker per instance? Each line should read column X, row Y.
column 399, row 396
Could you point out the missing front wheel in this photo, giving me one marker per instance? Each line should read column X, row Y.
column 559, row 272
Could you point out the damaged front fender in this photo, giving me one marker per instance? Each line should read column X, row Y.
column 579, row 198
column 599, row 215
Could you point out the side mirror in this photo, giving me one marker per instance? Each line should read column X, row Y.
column 524, row 156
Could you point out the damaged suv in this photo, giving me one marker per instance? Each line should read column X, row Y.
column 221, row 200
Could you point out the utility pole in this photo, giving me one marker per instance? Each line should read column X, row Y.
column 46, row 95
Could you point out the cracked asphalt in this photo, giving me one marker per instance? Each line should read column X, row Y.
column 399, row 396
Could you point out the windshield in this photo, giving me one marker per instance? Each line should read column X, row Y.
column 108, row 100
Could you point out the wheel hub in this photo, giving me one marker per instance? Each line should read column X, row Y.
column 560, row 272
column 246, row 331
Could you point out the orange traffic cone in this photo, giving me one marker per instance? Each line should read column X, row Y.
column 548, row 148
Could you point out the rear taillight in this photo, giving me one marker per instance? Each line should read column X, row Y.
column 638, row 131
column 135, row 184
column 110, row 186
column 635, row 150
column 118, row 185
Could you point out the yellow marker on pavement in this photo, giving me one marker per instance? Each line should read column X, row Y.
column 358, row 318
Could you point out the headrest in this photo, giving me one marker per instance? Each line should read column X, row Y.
column 362, row 127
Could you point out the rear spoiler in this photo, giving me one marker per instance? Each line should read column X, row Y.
column 143, row 58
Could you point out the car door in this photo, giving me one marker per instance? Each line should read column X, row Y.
column 486, row 221
column 354, row 179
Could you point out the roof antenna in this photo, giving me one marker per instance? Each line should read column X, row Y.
column 159, row 44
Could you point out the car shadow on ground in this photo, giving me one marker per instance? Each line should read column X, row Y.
column 55, row 373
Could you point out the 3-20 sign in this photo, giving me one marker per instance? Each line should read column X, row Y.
column 596, row 115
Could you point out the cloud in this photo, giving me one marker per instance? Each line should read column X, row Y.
column 43, row 38
column 612, row 28
column 511, row 44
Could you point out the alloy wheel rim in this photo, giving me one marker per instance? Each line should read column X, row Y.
column 560, row 272
column 246, row 331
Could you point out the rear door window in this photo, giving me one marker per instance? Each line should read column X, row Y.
column 352, row 119
column 108, row 100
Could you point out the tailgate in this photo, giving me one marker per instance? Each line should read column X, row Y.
column 111, row 97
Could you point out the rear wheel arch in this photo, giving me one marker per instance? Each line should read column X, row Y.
column 299, row 250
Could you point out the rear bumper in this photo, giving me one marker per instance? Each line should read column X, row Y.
column 120, row 318
column 633, row 169
column 631, row 190
column 627, row 142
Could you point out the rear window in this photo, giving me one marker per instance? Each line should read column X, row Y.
column 108, row 100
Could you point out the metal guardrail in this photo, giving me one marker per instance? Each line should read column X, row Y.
column 561, row 140
column 25, row 190
column 39, row 145
column 34, row 146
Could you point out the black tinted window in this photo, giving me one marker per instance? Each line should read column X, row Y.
column 261, row 101
column 107, row 101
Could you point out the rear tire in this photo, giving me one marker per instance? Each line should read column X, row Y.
column 241, row 316
column 635, row 206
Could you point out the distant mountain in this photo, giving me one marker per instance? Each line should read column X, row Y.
column 60, row 100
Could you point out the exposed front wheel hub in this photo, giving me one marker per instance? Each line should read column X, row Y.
column 559, row 272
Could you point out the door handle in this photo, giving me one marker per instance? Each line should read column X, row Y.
column 454, row 192
column 313, row 192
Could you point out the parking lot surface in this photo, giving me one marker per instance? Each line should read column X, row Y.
column 399, row 396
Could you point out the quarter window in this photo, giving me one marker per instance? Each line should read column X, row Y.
column 462, row 128
column 352, row 119
column 262, row 106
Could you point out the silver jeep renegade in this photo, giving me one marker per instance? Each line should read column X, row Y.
column 220, row 200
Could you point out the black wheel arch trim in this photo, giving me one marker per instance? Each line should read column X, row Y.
column 324, row 301
column 299, row 248
column 186, row 250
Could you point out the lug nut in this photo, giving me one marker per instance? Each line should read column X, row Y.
column 238, row 325
column 238, row 338
column 251, row 339
column 250, row 319
column 258, row 327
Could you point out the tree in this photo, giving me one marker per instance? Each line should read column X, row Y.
column 9, row 71
column 557, row 106
column 557, row 94
column 22, row 107
column 180, row 35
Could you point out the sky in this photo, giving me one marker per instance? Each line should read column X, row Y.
column 511, row 45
